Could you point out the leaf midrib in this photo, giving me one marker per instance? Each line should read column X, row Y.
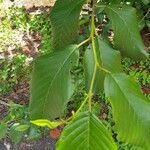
column 135, row 114
column 50, row 86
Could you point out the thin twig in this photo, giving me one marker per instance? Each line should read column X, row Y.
column 145, row 16
column 4, row 103
column 82, row 43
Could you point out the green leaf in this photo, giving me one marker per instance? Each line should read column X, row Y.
column 3, row 130
column 88, row 71
column 115, row 1
column 49, row 124
column 108, row 58
column 126, row 33
column 15, row 136
column 131, row 110
column 22, row 128
column 33, row 134
column 51, row 85
column 85, row 132
column 65, row 22
column 146, row 2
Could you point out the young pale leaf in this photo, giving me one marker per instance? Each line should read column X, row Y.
column 108, row 58
column 47, row 123
column 125, row 27
column 22, row 127
column 85, row 132
column 3, row 130
column 65, row 21
column 51, row 85
column 131, row 110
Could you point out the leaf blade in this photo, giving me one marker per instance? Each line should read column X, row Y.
column 108, row 58
column 64, row 21
column 3, row 130
column 51, row 85
column 84, row 133
column 132, row 120
column 125, row 27
column 49, row 124
column 22, row 127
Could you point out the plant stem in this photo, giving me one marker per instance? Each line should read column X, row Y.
column 82, row 43
column 103, row 69
column 96, row 66
column 77, row 112
column 4, row 103
column 91, row 87
column 83, row 103
column 90, row 93
column 145, row 16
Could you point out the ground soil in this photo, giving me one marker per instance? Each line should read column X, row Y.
column 45, row 143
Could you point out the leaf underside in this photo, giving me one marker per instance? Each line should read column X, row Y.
column 126, row 33
column 131, row 110
column 85, row 132
column 51, row 85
